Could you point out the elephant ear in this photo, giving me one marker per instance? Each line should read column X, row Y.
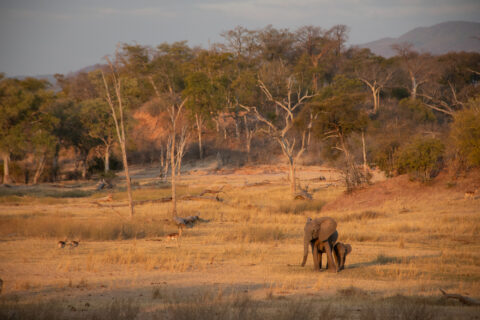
column 348, row 249
column 326, row 227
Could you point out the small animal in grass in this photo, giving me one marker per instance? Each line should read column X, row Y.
column 61, row 244
column 470, row 194
column 73, row 244
column 175, row 235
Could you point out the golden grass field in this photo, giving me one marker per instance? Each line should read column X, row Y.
column 408, row 242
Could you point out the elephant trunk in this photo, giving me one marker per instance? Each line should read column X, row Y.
column 305, row 253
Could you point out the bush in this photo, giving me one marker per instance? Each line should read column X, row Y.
column 465, row 133
column 386, row 157
column 422, row 158
column 415, row 110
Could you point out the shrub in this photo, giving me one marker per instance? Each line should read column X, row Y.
column 415, row 110
column 422, row 158
column 465, row 133
column 386, row 157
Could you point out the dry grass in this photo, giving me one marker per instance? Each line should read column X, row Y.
column 404, row 249
column 362, row 216
column 255, row 233
column 40, row 225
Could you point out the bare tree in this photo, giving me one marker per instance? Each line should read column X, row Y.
column 442, row 99
column 281, row 131
column 250, row 130
column 317, row 44
column 375, row 75
column 240, row 41
column 117, row 108
column 417, row 66
column 175, row 110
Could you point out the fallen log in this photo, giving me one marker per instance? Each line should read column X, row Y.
column 189, row 221
column 463, row 299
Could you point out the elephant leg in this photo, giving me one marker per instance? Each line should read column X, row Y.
column 332, row 266
column 343, row 262
column 320, row 254
column 316, row 259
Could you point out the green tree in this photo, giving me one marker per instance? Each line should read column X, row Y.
column 465, row 132
column 284, row 101
column 25, row 124
column 97, row 119
column 422, row 158
column 340, row 114
column 207, row 87
column 15, row 107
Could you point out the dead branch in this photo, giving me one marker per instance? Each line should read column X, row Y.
column 463, row 299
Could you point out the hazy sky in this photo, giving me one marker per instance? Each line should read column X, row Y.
column 59, row 36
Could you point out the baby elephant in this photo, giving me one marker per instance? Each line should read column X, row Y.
column 340, row 251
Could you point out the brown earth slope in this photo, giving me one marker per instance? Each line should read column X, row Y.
column 402, row 188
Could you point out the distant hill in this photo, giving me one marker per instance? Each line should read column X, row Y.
column 437, row 39
column 51, row 78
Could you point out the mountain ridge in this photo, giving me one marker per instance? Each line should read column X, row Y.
column 436, row 39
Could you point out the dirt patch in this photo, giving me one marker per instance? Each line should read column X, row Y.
column 403, row 188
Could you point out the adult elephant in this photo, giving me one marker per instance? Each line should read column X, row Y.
column 319, row 229
column 321, row 247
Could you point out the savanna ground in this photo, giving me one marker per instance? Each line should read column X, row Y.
column 408, row 241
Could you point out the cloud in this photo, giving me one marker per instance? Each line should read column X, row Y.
column 289, row 10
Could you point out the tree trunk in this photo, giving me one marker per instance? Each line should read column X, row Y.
column 6, row 172
column 55, row 163
column 293, row 185
column 84, row 167
column 378, row 100
column 127, row 176
column 413, row 94
column 237, row 128
column 162, row 161
column 248, row 136
column 39, row 170
column 107, row 158
column 375, row 100
column 364, row 149
column 172, row 164
column 199, row 130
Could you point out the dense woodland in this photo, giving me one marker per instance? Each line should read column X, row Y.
column 260, row 96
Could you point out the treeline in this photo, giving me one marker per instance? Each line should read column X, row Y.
column 301, row 94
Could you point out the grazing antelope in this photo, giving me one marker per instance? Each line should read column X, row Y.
column 73, row 244
column 61, row 244
column 175, row 235
column 470, row 194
